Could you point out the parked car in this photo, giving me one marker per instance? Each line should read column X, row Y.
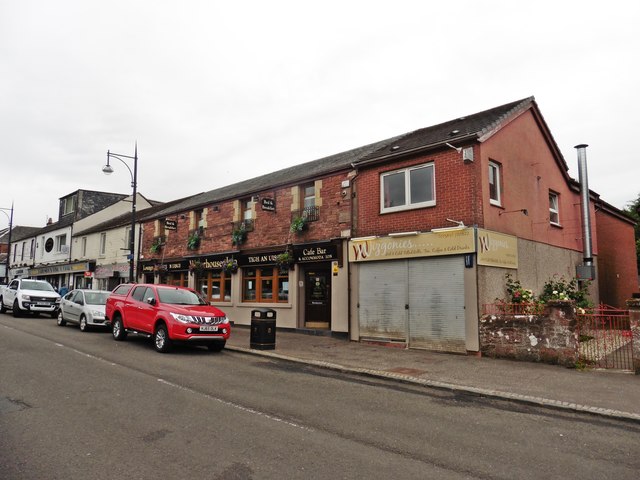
column 84, row 307
column 168, row 314
column 25, row 295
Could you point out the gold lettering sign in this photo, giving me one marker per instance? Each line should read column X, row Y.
column 497, row 249
column 454, row 242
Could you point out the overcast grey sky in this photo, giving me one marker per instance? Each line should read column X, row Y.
column 215, row 92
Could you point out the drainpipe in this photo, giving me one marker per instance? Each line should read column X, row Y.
column 587, row 272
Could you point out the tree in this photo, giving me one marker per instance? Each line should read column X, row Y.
column 633, row 210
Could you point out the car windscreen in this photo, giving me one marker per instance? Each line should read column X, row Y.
column 44, row 286
column 178, row 296
column 96, row 298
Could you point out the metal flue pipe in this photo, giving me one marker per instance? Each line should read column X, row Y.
column 584, row 202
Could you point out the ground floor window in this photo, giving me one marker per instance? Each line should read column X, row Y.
column 177, row 279
column 265, row 284
column 215, row 286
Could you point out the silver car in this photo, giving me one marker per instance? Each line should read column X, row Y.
column 84, row 307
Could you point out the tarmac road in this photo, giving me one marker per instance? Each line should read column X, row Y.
column 79, row 405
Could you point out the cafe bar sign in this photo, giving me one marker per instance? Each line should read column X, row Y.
column 452, row 242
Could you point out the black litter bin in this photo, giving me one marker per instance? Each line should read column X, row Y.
column 263, row 329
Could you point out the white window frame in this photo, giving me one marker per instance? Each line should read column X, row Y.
column 407, row 190
column 127, row 237
column 308, row 195
column 103, row 243
column 554, row 208
column 61, row 241
column 497, row 174
column 68, row 205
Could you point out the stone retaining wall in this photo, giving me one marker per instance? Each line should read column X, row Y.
column 548, row 338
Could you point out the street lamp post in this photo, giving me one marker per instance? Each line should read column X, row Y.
column 6, row 270
column 108, row 169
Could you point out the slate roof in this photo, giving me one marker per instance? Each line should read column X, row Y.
column 19, row 233
column 125, row 218
column 459, row 131
column 295, row 174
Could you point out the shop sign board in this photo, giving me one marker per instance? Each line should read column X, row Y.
column 497, row 249
column 449, row 242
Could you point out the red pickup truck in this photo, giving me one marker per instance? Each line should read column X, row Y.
column 168, row 314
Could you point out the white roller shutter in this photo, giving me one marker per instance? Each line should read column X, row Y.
column 382, row 300
column 436, row 304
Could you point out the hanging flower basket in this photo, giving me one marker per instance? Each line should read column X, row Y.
column 285, row 260
column 229, row 266
column 193, row 242
column 298, row 225
column 238, row 235
column 155, row 246
column 195, row 266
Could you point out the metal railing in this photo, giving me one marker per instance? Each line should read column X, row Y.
column 605, row 338
column 504, row 308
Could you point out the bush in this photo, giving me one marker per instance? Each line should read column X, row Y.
column 558, row 288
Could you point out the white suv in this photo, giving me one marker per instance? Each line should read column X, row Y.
column 25, row 295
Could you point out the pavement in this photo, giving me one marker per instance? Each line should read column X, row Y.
column 606, row 393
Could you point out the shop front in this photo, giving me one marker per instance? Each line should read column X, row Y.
column 108, row 277
column 415, row 289
column 316, row 265
column 421, row 289
column 170, row 272
column 64, row 274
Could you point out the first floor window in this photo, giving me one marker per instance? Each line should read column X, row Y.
column 61, row 243
column 494, row 184
column 554, row 212
column 265, row 284
column 103, row 243
column 215, row 286
column 408, row 188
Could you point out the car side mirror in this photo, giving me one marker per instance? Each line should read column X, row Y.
column 151, row 301
column 80, row 302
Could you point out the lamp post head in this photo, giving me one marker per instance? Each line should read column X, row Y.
column 107, row 169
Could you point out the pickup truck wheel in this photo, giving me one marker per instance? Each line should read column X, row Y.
column 61, row 321
column 216, row 347
column 117, row 328
column 161, row 340
column 16, row 309
column 2, row 307
column 83, row 324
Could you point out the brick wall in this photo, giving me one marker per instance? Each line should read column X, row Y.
column 548, row 338
column 617, row 266
column 455, row 189
column 271, row 229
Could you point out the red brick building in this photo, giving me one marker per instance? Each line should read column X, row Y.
column 497, row 187
column 400, row 241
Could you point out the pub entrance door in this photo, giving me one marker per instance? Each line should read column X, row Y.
column 317, row 298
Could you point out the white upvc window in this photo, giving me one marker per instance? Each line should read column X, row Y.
column 554, row 209
column 103, row 243
column 409, row 188
column 127, row 238
column 495, row 192
column 61, row 243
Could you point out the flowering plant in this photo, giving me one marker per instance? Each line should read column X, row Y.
column 285, row 260
column 558, row 288
column 239, row 235
column 517, row 293
column 229, row 265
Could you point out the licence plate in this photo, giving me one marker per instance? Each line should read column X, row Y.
column 43, row 304
column 208, row 328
